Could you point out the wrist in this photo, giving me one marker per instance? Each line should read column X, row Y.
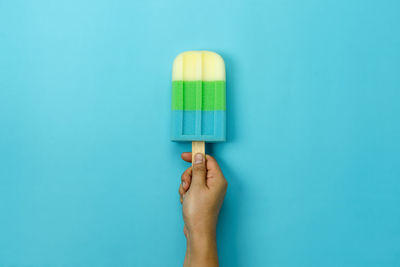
column 202, row 248
column 201, row 235
column 202, row 232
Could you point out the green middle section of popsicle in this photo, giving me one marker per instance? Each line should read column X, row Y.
column 198, row 95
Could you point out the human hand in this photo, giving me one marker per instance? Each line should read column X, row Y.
column 202, row 192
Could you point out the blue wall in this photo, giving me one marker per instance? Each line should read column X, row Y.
column 88, row 176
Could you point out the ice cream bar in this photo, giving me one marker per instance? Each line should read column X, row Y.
column 198, row 97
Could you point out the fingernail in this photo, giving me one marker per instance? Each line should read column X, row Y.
column 183, row 184
column 198, row 158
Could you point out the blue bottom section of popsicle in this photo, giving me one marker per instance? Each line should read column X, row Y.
column 197, row 125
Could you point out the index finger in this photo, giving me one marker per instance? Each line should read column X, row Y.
column 187, row 156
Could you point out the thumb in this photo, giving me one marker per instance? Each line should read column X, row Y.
column 199, row 170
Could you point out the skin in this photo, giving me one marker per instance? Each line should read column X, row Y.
column 202, row 192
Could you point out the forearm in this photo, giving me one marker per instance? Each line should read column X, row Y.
column 201, row 250
column 186, row 262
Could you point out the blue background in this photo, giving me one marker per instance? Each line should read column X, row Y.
column 88, row 176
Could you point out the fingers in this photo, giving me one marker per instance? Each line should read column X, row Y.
column 186, row 178
column 181, row 192
column 185, row 182
column 214, row 170
column 199, row 171
column 187, row 156
column 212, row 164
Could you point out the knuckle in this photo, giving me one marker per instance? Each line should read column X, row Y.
column 199, row 168
column 186, row 175
column 224, row 183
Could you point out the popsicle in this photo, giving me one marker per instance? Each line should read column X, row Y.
column 198, row 99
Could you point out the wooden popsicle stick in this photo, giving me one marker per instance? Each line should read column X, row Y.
column 198, row 147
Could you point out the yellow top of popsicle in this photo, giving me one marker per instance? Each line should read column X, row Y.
column 198, row 66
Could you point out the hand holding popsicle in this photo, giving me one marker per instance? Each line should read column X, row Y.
column 199, row 115
column 202, row 192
